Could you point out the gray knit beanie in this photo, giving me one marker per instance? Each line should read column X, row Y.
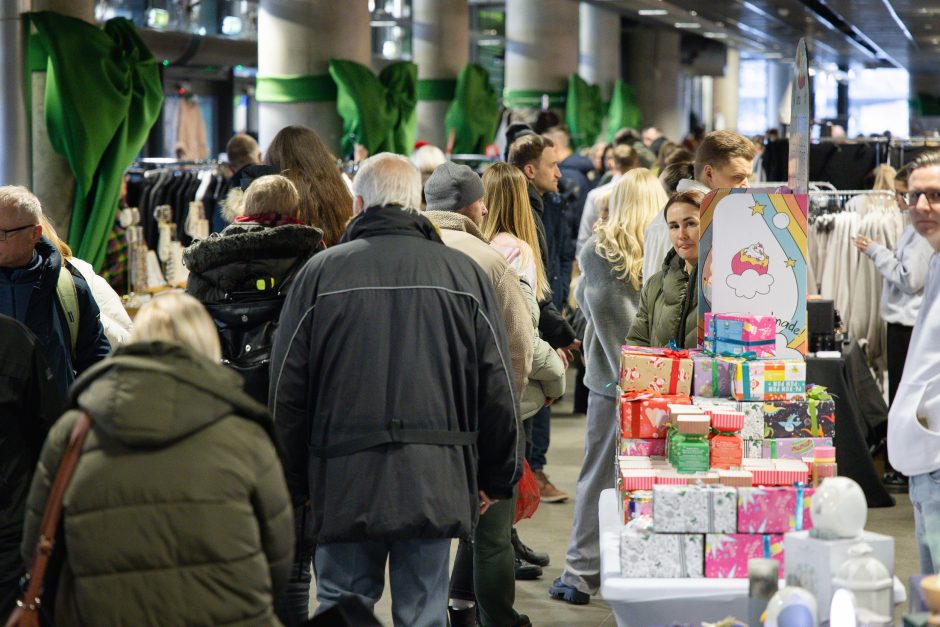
column 451, row 187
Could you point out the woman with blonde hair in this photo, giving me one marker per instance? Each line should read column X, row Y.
column 298, row 153
column 175, row 516
column 608, row 293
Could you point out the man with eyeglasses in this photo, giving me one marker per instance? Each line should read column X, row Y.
column 29, row 276
column 914, row 418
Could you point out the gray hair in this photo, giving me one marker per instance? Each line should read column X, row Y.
column 388, row 179
column 22, row 201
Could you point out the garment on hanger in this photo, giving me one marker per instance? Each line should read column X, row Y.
column 191, row 141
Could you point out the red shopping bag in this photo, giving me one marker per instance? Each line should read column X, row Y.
column 529, row 496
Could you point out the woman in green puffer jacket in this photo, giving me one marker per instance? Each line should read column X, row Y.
column 177, row 512
column 669, row 302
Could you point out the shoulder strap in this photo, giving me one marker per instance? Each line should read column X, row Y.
column 52, row 515
column 68, row 297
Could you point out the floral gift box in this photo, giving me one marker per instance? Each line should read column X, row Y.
column 726, row 555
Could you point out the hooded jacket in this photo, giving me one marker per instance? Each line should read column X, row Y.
column 177, row 512
column 391, row 386
column 459, row 232
column 668, row 307
column 29, row 295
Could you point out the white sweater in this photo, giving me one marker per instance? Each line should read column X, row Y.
column 117, row 324
column 913, row 447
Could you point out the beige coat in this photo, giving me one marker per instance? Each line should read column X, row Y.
column 459, row 232
column 547, row 378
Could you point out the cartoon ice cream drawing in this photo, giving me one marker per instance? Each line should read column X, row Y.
column 749, row 275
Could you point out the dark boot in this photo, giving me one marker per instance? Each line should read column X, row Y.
column 465, row 617
column 526, row 571
column 525, row 553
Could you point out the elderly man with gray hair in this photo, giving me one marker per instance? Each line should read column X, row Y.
column 45, row 294
column 393, row 403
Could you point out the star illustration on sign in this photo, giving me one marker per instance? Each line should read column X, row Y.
column 757, row 208
column 791, row 262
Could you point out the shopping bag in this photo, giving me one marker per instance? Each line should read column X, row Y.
column 529, row 496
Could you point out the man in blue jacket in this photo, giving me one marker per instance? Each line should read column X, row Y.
column 29, row 274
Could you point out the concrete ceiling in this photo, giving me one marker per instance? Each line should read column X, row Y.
column 872, row 33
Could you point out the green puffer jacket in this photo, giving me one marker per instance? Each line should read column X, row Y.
column 668, row 308
column 177, row 513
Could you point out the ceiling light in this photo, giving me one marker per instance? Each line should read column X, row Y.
column 715, row 35
column 654, row 12
column 687, row 25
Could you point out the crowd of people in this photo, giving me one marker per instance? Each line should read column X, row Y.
column 361, row 371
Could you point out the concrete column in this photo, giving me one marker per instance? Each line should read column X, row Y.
column 299, row 37
column 779, row 76
column 541, row 44
column 14, row 119
column 441, row 48
column 598, row 46
column 655, row 73
column 726, row 93
column 52, row 180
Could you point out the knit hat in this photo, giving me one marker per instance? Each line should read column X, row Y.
column 451, row 187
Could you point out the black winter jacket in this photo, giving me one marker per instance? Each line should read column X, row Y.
column 391, row 386
column 553, row 327
column 29, row 404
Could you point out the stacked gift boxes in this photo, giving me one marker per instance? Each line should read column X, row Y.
column 713, row 451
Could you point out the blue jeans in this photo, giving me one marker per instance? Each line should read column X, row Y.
column 925, row 495
column 417, row 575
column 541, row 438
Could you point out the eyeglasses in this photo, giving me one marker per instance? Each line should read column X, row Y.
column 933, row 198
column 5, row 233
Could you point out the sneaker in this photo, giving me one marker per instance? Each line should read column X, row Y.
column 548, row 492
column 895, row 482
column 526, row 554
column 568, row 594
column 526, row 571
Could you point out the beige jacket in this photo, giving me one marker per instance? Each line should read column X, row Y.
column 459, row 232
column 547, row 378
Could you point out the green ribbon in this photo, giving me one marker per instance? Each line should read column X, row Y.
column 714, row 378
column 532, row 98
column 439, row 89
column 295, row 88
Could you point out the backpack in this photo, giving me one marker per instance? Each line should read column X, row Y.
column 67, row 294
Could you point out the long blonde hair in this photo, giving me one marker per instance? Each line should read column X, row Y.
column 179, row 318
column 635, row 200
column 325, row 202
column 506, row 196
column 50, row 233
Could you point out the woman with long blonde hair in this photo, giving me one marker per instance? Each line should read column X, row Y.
column 298, row 153
column 608, row 293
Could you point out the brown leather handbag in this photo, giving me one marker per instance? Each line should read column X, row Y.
column 27, row 612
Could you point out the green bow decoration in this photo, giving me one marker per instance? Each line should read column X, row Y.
column 584, row 112
column 473, row 116
column 624, row 111
column 378, row 112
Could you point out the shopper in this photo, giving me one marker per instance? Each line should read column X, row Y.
column 914, row 418
column 392, row 399
column 177, row 512
column 622, row 159
column 28, row 404
column 298, row 153
column 68, row 327
column 723, row 160
column 536, row 158
column 671, row 176
column 608, row 294
column 668, row 313
column 426, row 158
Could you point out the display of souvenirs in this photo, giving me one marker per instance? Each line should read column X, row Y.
column 659, row 370
column 644, row 554
column 646, row 415
column 695, row 509
column 770, row 380
column 792, row 448
column 647, row 447
column 774, row 509
column 730, row 334
column 712, row 377
column 726, row 555
column 753, row 411
column 813, row 418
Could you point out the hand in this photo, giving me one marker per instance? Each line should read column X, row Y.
column 485, row 502
column 863, row 242
column 563, row 354
column 569, row 352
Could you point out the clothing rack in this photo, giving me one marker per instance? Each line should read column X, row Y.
column 826, row 201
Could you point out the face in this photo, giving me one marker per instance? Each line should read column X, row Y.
column 926, row 215
column 18, row 248
column 648, row 138
column 475, row 211
column 682, row 220
column 732, row 174
column 544, row 173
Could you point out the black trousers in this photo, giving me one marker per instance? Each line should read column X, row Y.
column 898, row 338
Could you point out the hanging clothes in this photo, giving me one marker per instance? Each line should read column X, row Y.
column 191, row 141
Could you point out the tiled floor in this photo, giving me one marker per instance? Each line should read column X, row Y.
column 548, row 531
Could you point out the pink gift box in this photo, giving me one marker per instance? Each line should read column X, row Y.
column 726, row 554
column 773, row 509
column 647, row 447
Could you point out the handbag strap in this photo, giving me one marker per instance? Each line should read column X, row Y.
column 52, row 515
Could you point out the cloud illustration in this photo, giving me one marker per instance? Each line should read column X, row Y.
column 749, row 283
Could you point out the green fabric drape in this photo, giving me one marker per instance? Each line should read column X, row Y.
column 378, row 112
column 295, row 88
column 623, row 112
column 584, row 112
column 103, row 93
column 440, row 89
column 473, row 116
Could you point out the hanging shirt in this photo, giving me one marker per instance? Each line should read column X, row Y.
column 904, row 271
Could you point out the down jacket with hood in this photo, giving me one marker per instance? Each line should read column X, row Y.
column 177, row 512
column 668, row 308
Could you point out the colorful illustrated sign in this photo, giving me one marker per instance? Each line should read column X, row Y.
column 798, row 164
column 752, row 260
